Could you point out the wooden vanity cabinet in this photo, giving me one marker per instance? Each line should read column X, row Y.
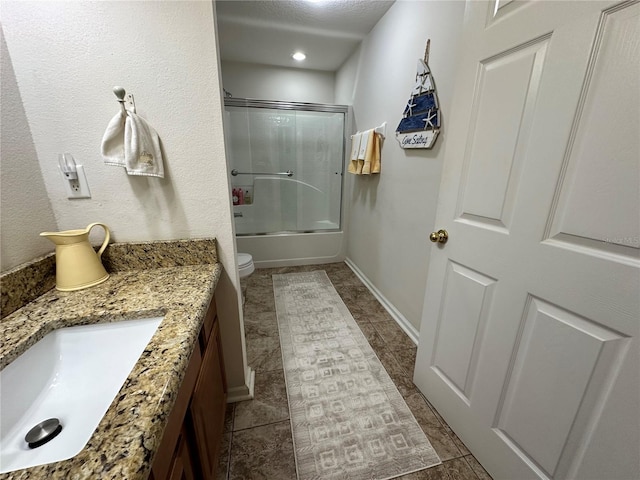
column 182, row 463
column 191, row 441
column 208, row 405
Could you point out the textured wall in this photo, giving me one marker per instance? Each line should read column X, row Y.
column 67, row 57
column 391, row 215
column 25, row 210
column 246, row 80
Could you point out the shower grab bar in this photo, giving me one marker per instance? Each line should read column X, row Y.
column 288, row 173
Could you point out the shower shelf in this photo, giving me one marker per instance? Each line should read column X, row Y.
column 242, row 195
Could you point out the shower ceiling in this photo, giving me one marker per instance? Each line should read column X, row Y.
column 269, row 31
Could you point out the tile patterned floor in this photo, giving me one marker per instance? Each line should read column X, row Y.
column 257, row 439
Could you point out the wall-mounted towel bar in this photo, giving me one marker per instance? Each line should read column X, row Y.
column 382, row 130
column 288, row 173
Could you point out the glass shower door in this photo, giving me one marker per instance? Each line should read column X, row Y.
column 286, row 169
column 320, row 145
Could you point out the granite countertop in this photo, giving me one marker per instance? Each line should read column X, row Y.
column 124, row 443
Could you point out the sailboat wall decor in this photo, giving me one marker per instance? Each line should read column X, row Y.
column 420, row 122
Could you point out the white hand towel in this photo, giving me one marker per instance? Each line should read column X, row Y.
column 355, row 146
column 130, row 142
column 353, row 157
column 113, row 141
column 142, row 152
column 363, row 144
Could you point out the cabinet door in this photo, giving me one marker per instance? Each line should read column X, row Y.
column 181, row 468
column 207, row 325
column 175, row 431
column 208, row 406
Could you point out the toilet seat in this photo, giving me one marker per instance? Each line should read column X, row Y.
column 245, row 265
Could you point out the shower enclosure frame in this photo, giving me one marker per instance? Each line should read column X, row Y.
column 308, row 107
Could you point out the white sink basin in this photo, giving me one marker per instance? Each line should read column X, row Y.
column 72, row 374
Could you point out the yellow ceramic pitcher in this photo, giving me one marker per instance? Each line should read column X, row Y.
column 78, row 265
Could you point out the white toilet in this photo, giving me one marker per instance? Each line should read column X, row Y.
column 245, row 265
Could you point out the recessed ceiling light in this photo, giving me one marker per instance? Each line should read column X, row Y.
column 299, row 56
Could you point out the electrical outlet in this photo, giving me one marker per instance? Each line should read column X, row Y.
column 77, row 188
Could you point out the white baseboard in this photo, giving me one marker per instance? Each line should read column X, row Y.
column 244, row 392
column 400, row 319
column 295, row 262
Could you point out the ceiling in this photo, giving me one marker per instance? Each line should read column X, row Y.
column 270, row 31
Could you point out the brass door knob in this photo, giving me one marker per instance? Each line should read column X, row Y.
column 441, row 236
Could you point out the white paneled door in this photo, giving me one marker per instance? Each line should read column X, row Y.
column 529, row 338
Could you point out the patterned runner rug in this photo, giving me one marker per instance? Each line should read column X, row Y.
column 348, row 419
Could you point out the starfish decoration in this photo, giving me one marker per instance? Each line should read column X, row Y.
column 409, row 110
column 432, row 115
column 426, row 83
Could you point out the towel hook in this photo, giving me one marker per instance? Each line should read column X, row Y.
column 125, row 99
